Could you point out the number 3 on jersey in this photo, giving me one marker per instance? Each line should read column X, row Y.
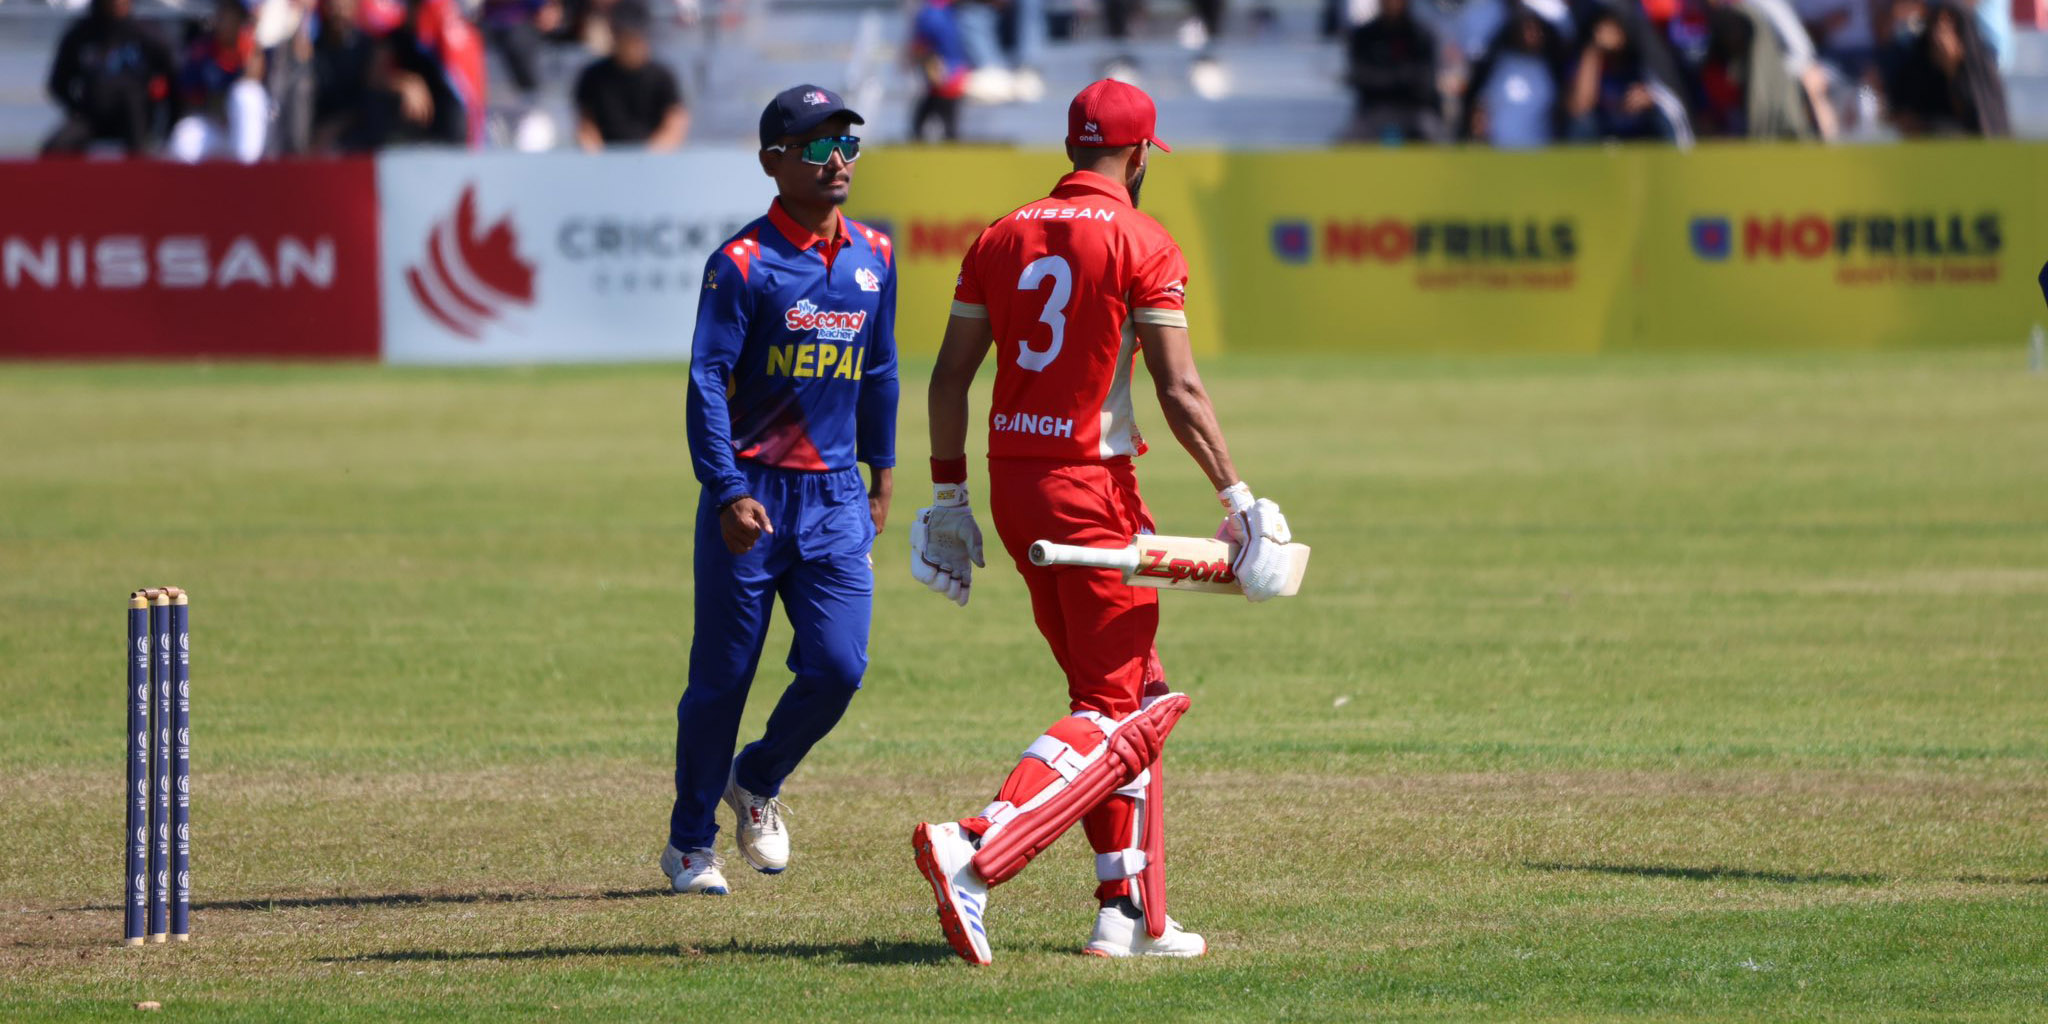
column 1055, row 313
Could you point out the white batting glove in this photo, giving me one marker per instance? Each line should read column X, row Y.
column 945, row 544
column 1258, row 529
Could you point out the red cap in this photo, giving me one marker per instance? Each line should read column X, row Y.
column 1111, row 115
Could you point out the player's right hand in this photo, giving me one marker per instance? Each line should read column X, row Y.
column 742, row 523
column 945, row 544
column 1260, row 531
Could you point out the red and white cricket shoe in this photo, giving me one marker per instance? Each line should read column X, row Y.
column 944, row 856
column 1120, row 931
column 693, row 871
column 762, row 837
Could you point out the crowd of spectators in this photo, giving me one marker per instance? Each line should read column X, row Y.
column 315, row 77
column 1522, row 73
column 308, row 77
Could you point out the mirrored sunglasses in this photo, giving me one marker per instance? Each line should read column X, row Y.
column 819, row 151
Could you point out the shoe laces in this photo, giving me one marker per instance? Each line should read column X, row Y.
column 701, row 857
column 771, row 809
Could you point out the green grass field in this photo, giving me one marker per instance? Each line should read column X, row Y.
column 1621, row 689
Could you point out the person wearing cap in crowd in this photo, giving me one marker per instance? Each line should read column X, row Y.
column 629, row 98
column 1068, row 290
column 792, row 382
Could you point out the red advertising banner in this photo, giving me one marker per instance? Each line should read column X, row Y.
column 147, row 260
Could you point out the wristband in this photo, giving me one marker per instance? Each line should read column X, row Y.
column 1236, row 498
column 949, row 495
column 949, row 471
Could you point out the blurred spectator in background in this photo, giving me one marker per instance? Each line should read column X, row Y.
column 348, row 107
column 1747, row 84
column 1393, row 75
column 1844, row 34
column 285, row 30
column 435, row 41
column 1004, row 41
column 1994, row 20
column 226, row 110
column 629, row 98
column 1908, row 19
column 412, row 98
column 110, row 75
column 518, row 30
column 940, row 56
column 1199, row 34
column 1515, row 96
column 1804, row 109
column 1946, row 82
column 588, row 23
column 1626, row 84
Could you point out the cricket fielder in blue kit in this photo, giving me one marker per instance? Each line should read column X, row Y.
column 792, row 381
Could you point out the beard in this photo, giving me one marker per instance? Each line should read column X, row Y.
column 1138, row 185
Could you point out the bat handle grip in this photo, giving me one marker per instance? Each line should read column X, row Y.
column 1045, row 552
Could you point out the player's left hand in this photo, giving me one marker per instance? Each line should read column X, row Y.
column 1258, row 528
column 945, row 544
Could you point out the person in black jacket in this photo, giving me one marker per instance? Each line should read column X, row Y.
column 1393, row 73
column 1947, row 81
column 345, row 98
column 111, row 74
column 411, row 101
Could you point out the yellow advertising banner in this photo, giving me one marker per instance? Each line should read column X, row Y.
column 1805, row 247
column 1427, row 250
column 1566, row 250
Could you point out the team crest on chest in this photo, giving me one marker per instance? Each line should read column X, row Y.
column 869, row 280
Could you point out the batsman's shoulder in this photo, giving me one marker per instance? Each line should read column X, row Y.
column 1141, row 225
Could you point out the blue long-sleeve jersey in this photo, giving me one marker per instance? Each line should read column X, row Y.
column 794, row 361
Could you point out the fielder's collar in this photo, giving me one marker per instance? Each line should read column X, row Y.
column 801, row 236
column 1084, row 183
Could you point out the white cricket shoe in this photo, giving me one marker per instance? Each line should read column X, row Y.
column 761, row 836
column 693, row 871
column 944, row 856
column 1118, row 934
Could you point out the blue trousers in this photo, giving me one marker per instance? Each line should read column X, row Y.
column 816, row 561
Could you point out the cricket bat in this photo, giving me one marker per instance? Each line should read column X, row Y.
column 1197, row 564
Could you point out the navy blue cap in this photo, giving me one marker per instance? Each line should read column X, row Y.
column 799, row 109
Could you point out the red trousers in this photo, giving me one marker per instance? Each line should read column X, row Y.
column 1100, row 629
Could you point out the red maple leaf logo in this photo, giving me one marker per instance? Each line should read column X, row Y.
column 471, row 277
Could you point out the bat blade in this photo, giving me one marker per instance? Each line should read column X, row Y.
column 1165, row 562
column 1200, row 564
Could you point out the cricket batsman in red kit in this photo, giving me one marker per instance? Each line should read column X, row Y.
column 1069, row 290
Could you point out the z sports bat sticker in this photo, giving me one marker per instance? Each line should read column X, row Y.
column 1159, row 562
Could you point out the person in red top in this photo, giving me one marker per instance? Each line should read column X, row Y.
column 1068, row 290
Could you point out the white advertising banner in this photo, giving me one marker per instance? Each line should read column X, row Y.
column 524, row 258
